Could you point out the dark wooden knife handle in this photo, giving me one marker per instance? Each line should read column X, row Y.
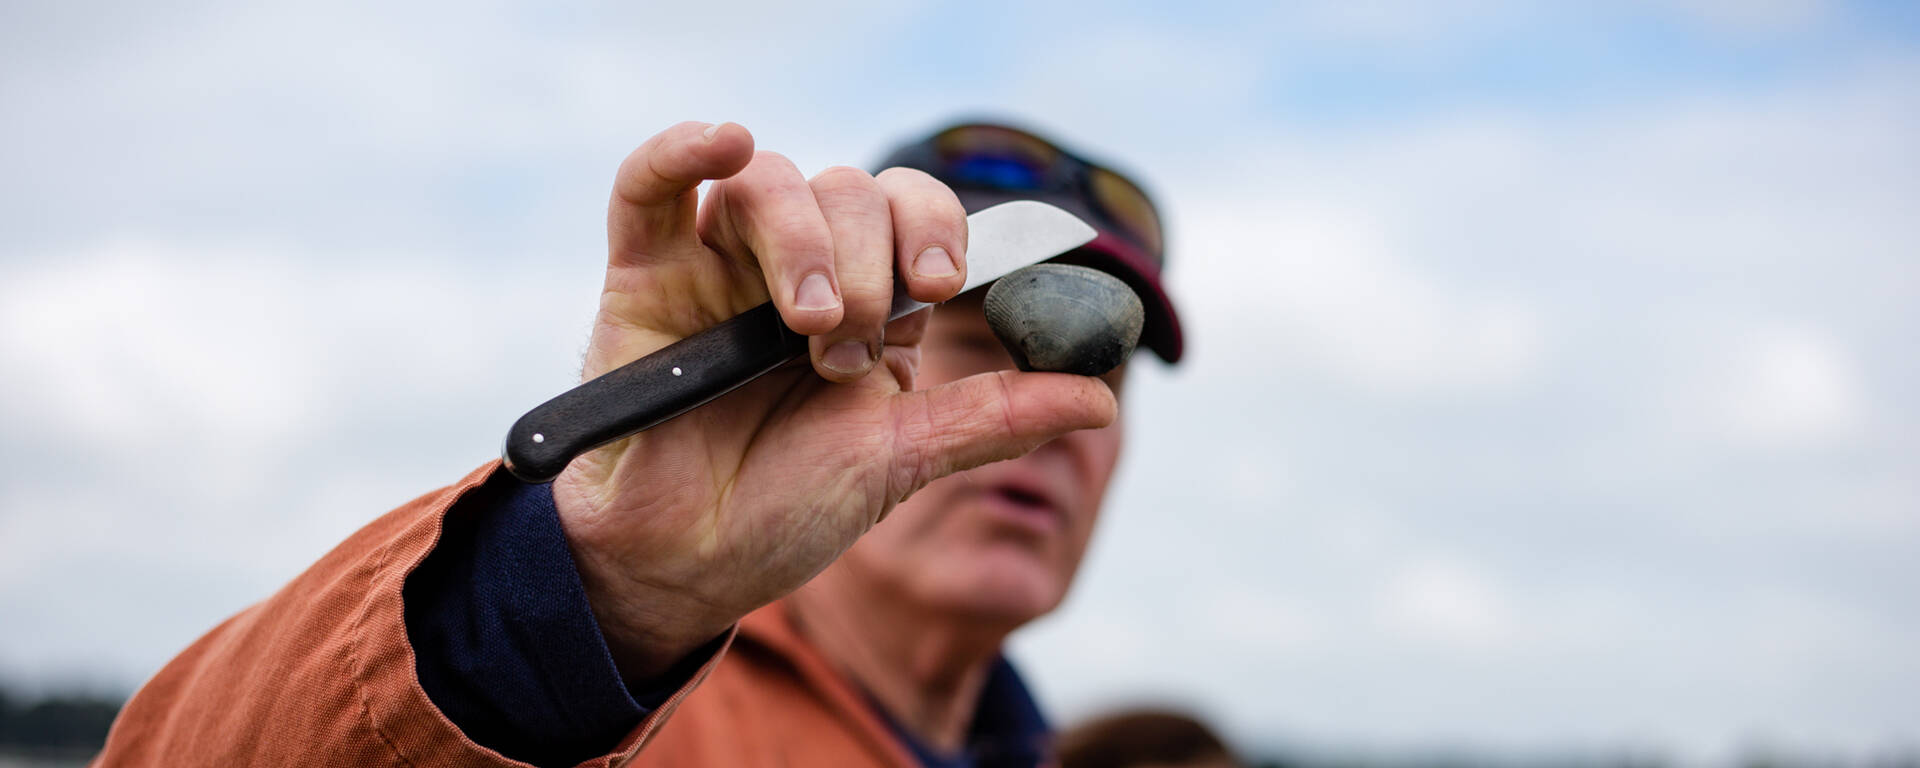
column 636, row 396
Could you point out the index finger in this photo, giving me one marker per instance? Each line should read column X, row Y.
column 655, row 199
column 929, row 234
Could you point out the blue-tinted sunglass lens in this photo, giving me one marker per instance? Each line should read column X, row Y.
column 991, row 171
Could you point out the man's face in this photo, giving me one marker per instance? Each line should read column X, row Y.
column 1000, row 542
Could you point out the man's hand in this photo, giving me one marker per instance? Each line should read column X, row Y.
column 682, row 530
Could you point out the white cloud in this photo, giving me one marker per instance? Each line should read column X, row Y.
column 1447, row 601
column 1298, row 284
column 124, row 341
column 1787, row 388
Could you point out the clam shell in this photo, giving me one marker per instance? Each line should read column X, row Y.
column 1064, row 318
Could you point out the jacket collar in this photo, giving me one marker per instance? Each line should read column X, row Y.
column 1008, row 729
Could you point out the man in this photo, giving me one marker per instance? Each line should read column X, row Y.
column 496, row 623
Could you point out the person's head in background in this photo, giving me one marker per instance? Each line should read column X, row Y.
column 1144, row 739
column 996, row 547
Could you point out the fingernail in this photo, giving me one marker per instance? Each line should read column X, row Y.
column 934, row 262
column 711, row 131
column 815, row 293
column 849, row 356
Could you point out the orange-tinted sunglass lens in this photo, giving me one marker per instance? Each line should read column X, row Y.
column 1128, row 206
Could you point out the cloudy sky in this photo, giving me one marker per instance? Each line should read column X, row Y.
column 1552, row 365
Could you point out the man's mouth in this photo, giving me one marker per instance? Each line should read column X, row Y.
column 1029, row 503
column 1023, row 498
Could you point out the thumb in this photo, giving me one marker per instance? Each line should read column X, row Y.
column 989, row 417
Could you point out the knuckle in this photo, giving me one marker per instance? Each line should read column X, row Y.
column 844, row 190
column 930, row 211
column 770, row 157
column 909, row 466
column 907, row 177
column 636, row 164
column 772, row 168
column 804, row 236
column 931, row 204
column 637, row 157
column 912, row 184
column 867, row 297
column 844, row 176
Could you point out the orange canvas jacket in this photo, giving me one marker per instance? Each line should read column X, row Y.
column 321, row 673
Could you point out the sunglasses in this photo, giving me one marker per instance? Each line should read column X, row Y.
column 1005, row 159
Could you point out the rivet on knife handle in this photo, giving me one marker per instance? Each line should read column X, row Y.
column 641, row 394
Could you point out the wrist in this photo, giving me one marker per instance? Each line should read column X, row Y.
column 649, row 631
column 649, row 620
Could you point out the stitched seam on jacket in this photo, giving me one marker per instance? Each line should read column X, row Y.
column 354, row 655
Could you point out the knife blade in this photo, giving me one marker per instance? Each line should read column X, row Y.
column 693, row 371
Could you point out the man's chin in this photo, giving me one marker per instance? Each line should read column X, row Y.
column 1002, row 591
